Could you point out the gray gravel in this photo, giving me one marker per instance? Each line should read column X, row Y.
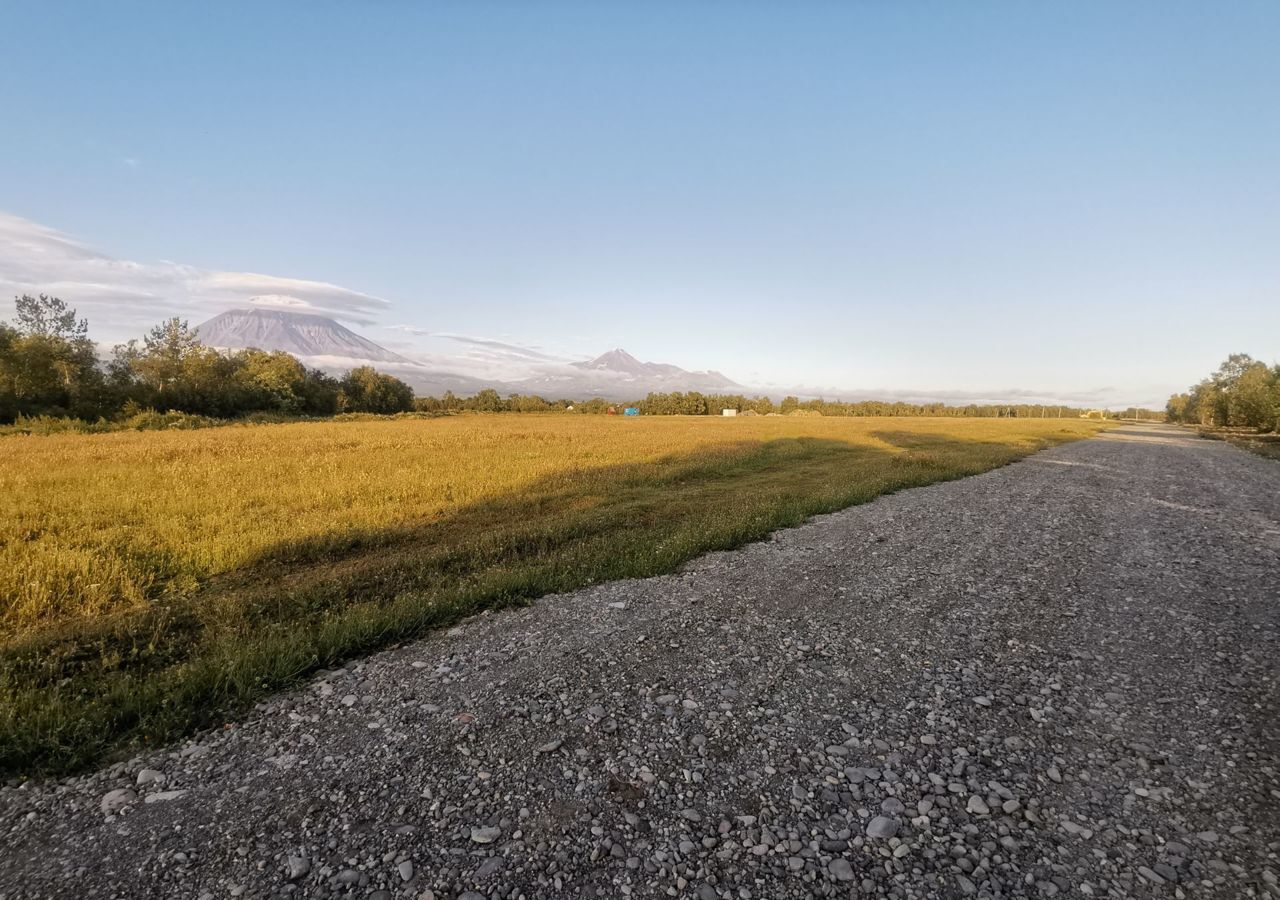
column 1055, row 678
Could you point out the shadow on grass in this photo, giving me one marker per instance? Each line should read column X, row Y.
column 74, row 693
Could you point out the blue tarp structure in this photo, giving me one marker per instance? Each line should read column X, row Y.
column 631, row 411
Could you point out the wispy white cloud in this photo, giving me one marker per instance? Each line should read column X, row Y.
column 481, row 357
column 500, row 348
column 122, row 297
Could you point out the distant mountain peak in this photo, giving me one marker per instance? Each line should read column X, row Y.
column 621, row 364
column 617, row 360
column 300, row 333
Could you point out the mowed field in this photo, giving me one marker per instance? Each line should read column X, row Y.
column 151, row 583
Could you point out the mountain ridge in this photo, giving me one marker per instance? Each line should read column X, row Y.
column 322, row 342
column 621, row 362
column 299, row 333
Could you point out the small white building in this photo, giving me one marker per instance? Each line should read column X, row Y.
column 728, row 412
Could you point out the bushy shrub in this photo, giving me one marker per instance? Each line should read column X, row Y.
column 150, row 420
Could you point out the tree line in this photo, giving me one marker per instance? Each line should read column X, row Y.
column 49, row 367
column 1242, row 393
column 695, row 403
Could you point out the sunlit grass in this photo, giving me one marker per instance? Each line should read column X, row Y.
column 149, row 581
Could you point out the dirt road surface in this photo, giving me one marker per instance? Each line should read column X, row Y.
column 1054, row 679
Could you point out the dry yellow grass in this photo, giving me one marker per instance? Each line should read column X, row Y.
column 136, row 566
column 96, row 523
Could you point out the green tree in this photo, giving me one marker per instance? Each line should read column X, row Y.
column 1225, row 380
column 1177, row 407
column 47, row 362
column 1207, row 406
column 280, row 383
column 1251, row 402
column 367, row 390
column 487, row 400
column 46, row 316
column 174, row 371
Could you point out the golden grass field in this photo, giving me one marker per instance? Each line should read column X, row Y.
column 151, row 580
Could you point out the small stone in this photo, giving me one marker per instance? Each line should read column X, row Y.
column 882, row 827
column 841, row 869
column 406, row 870
column 117, row 800
column 977, row 806
column 485, row 835
column 551, row 746
column 1150, row 875
column 1166, row 871
column 163, row 796
column 299, row 866
column 150, row 776
column 982, row 701
column 492, row 866
column 1054, row 775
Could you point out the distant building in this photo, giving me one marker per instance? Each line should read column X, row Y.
column 728, row 412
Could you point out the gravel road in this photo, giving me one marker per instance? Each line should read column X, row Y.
column 1058, row 678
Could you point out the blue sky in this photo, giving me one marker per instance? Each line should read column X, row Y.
column 1075, row 199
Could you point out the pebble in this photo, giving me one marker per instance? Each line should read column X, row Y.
column 882, row 827
column 116, row 800
column 163, row 796
column 1150, row 875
